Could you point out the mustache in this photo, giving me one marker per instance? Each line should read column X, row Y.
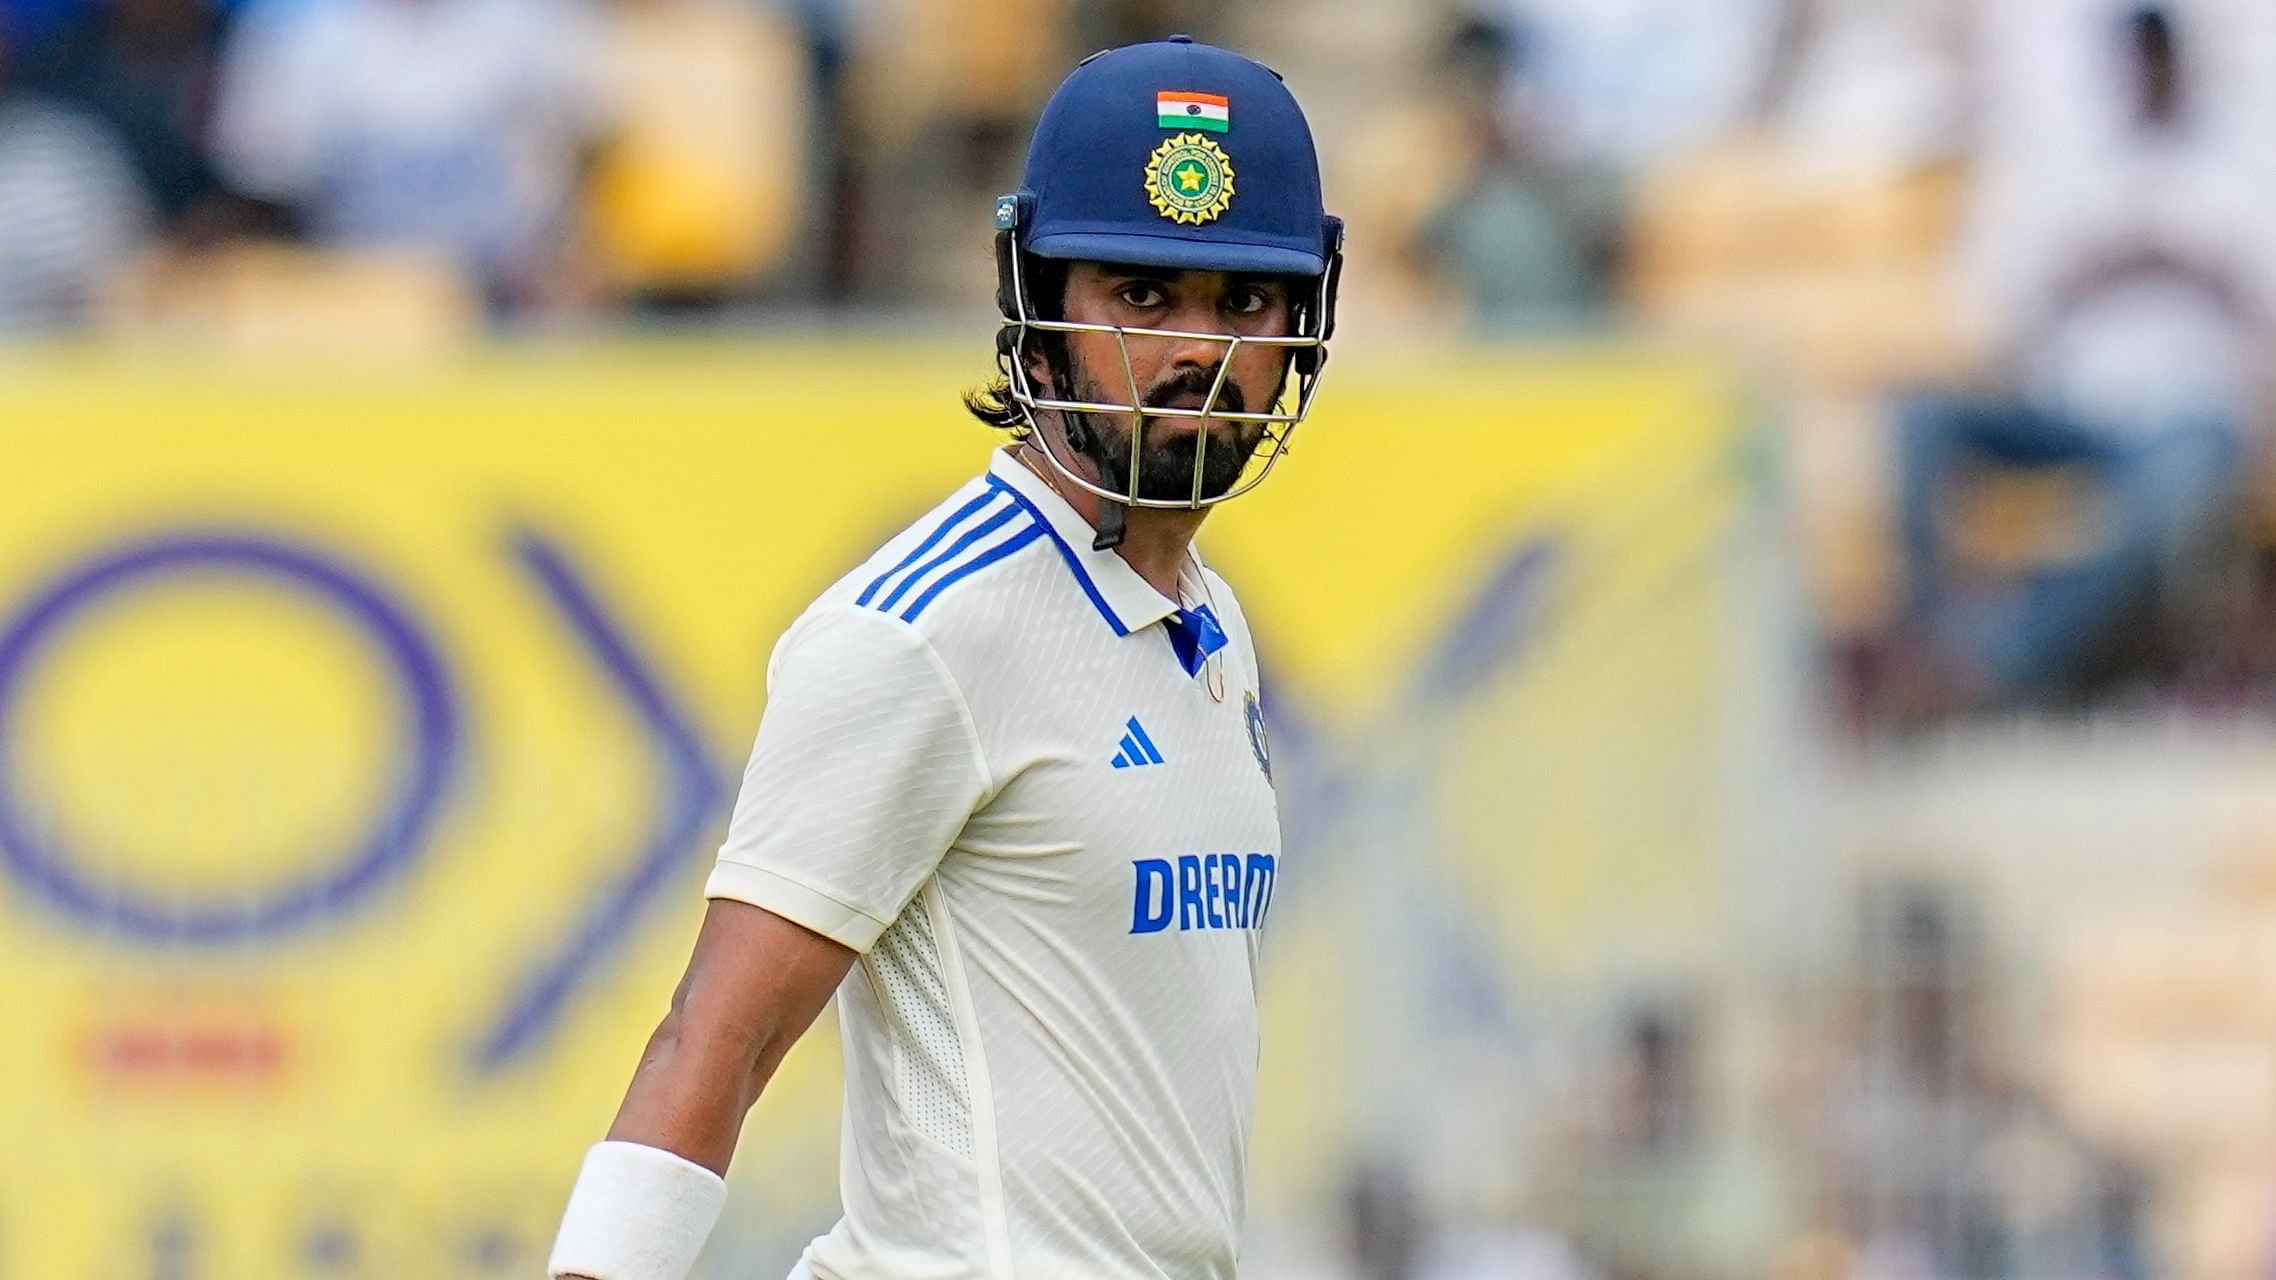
column 1196, row 382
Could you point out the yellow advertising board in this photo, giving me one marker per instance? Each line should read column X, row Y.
column 364, row 734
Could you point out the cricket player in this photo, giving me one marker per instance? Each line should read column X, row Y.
column 1011, row 800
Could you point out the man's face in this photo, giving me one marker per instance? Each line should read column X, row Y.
column 1172, row 372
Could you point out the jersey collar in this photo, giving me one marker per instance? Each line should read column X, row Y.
column 1126, row 600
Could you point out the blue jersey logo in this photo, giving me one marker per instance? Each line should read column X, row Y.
column 1202, row 891
column 1137, row 749
column 1254, row 715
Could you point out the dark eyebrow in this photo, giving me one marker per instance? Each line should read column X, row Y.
column 1171, row 275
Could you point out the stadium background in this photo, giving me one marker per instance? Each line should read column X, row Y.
column 399, row 513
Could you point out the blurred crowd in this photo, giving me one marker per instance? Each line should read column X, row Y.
column 2002, row 268
column 1930, row 1107
column 1999, row 266
column 439, row 163
column 466, row 163
column 1998, row 260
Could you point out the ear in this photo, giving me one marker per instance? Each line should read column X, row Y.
column 1038, row 365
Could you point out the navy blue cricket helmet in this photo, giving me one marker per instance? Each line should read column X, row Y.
column 1181, row 156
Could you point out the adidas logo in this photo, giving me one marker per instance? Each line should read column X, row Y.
column 1138, row 750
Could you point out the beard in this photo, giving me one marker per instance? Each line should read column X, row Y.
column 1165, row 464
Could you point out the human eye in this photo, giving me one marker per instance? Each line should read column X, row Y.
column 1143, row 294
column 1247, row 300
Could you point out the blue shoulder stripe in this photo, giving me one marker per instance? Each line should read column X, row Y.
column 974, row 565
column 1067, row 553
column 941, row 531
column 955, row 549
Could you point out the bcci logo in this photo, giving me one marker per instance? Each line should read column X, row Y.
column 1189, row 179
column 1255, row 716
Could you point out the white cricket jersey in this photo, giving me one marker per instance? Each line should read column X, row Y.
column 1036, row 796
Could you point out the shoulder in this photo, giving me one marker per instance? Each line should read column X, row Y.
column 959, row 572
column 839, row 647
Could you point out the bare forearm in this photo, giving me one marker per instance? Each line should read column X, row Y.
column 689, row 1096
column 756, row 984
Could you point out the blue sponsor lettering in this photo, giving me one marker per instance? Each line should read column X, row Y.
column 1150, row 910
column 1201, row 891
column 1262, row 869
column 1190, row 915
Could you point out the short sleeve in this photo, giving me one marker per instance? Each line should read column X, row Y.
column 866, row 768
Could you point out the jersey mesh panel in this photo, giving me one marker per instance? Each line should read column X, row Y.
column 928, row 1058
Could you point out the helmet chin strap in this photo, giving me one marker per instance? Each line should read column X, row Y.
column 1113, row 522
column 1113, row 517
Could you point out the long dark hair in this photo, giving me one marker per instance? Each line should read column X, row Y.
column 1046, row 284
column 991, row 402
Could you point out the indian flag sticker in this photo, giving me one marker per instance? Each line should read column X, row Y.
column 1193, row 111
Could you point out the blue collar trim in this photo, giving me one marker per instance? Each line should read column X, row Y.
column 1066, row 553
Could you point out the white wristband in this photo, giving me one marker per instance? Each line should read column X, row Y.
column 637, row 1213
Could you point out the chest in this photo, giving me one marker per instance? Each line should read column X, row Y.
column 1140, row 804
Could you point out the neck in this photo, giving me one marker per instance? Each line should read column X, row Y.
column 1154, row 539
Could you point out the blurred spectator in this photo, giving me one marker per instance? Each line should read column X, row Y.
column 1506, row 1252
column 146, row 68
column 2124, row 255
column 71, row 213
column 459, row 127
column 837, row 175
column 1657, row 1187
column 1109, row 24
column 1946, row 1164
column 1385, row 1217
column 943, row 99
column 1864, row 84
column 1528, row 237
column 1629, row 82
column 697, row 189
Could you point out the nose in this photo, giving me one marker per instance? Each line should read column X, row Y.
column 1195, row 352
